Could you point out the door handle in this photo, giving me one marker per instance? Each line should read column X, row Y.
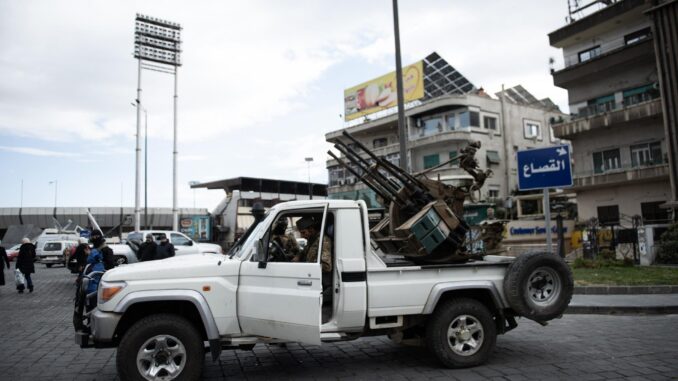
column 304, row 283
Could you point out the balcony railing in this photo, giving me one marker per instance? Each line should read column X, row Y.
column 622, row 175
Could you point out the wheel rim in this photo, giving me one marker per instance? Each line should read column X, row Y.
column 162, row 357
column 121, row 261
column 543, row 286
column 465, row 335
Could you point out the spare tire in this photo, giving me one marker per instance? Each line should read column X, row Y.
column 539, row 286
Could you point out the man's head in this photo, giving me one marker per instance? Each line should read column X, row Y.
column 162, row 237
column 280, row 226
column 307, row 226
column 97, row 238
column 149, row 238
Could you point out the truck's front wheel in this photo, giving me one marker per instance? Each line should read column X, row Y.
column 461, row 333
column 161, row 347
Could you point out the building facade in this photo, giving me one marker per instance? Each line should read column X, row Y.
column 616, row 124
column 439, row 126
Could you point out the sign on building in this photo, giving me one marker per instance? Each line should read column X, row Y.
column 380, row 93
column 544, row 168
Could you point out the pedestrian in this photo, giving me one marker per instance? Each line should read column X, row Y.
column 3, row 260
column 99, row 242
column 165, row 249
column 148, row 249
column 81, row 253
column 24, row 263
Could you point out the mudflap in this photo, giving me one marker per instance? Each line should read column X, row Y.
column 84, row 339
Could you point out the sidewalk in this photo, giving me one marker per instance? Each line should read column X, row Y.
column 645, row 300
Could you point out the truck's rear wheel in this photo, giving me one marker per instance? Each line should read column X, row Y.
column 539, row 286
column 461, row 333
column 161, row 347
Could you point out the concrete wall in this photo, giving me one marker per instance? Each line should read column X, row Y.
column 628, row 198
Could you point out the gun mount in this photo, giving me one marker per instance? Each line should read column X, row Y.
column 424, row 221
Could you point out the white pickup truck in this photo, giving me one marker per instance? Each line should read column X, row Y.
column 163, row 316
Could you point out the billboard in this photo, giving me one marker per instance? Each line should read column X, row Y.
column 380, row 93
column 197, row 227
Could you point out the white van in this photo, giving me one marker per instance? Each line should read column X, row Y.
column 53, row 252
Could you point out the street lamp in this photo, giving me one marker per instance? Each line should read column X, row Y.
column 191, row 184
column 145, row 162
column 308, row 165
column 157, row 46
column 56, row 185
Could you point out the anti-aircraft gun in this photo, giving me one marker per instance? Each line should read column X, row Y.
column 424, row 221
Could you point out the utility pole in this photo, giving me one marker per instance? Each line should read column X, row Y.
column 402, row 129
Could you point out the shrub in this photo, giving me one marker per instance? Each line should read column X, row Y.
column 667, row 248
column 607, row 254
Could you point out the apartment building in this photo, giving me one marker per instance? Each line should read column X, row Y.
column 616, row 123
column 451, row 113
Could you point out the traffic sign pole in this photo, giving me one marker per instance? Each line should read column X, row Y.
column 547, row 220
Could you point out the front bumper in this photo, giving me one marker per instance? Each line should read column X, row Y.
column 102, row 327
column 52, row 259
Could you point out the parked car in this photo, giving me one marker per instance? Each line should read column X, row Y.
column 182, row 243
column 52, row 252
column 13, row 252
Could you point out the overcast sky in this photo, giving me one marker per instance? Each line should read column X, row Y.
column 262, row 83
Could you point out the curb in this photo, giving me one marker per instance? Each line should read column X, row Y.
column 624, row 290
column 621, row 310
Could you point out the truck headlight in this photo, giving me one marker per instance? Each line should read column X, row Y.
column 108, row 290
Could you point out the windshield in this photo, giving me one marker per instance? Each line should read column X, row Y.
column 52, row 246
column 253, row 231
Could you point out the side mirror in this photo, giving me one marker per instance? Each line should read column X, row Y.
column 189, row 243
column 261, row 253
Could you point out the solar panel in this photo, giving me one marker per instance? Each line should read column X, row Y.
column 440, row 78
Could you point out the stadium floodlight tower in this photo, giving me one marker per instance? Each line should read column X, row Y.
column 157, row 46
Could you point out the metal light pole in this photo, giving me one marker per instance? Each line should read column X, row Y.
column 157, row 46
column 402, row 130
column 145, row 164
column 191, row 184
column 308, row 166
column 56, row 186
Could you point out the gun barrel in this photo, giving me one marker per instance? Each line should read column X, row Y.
column 378, row 190
column 364, row 166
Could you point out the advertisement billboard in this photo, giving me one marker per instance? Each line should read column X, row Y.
column 197, row 227
column 380, row 93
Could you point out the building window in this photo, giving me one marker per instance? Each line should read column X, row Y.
column 493, row 193
column 638, row 36
column 464, row 121
column 532, row 130
column 379, row 142
column 431, row 161
column 646, row 154
column 608, row 215
column 492, row 157
column 431, row 126
column 393, row 158
column 455, row 163
column 451, row 122
column 490, row 123
column 589, row 54
column 474, row 117
column 640, row 94
column 606, row 160
column 652, row 213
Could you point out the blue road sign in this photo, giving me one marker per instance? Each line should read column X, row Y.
column 542, row 168
column 85, row 233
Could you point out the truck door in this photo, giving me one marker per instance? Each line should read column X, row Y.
column 182, row 244
column 278, row 297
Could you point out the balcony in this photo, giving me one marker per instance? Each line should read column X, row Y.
column 607, row 115
column 620, row 176
column 622, row 59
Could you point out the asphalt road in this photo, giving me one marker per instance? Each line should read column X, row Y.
column 36, row 343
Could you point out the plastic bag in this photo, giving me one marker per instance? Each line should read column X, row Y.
column 19, row 279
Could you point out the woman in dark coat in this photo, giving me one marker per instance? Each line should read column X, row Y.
column 3, row 260
column 24, row 262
